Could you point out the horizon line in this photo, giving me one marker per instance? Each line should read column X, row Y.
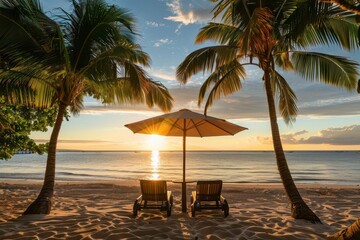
column 288, row 151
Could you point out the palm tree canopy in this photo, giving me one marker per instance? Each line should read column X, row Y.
column 89, row 51
column 273, row 35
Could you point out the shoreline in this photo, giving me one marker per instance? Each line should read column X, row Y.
column 176, row 182
column 104, row 210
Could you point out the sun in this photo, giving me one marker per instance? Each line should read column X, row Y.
column 155, row 142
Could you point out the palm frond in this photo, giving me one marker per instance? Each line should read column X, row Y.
column 222, row 33
column 257, row 36
column 77, row 105
column 205, row 59
column 334, row 70
column 349, row 5
column 102, row 63
column 94, row 27
column 159, row 95
column 318, row 23
column 334, row 28
column 25, row 85
column 226, row 80
column 286, row 97
column 234, row 12
column 26, row 33
column 282, row 59
column 220, row 7
column 134, row 87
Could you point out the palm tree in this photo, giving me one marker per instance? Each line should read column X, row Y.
column 273, row 36
column 91, row 51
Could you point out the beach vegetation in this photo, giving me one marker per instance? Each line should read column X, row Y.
column 275, row 37
column 16, row 124
column 91, row 51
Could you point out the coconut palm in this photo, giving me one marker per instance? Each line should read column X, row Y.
column 273, row 35
column 90, row 51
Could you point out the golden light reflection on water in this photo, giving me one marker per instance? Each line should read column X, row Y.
column 155, row 162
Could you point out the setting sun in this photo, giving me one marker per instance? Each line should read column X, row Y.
column 155, row 142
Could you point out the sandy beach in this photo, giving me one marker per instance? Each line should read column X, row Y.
column 104, row 211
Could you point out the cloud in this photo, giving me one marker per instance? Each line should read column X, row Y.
column 179, row 27
column 163, row 41
column 72, row 141
column 154, row 24
column 347, row 135
column 116, row 109
column 189, row 14
column 159, row 73
column 291, row 138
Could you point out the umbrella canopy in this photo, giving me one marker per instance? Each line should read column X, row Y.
column 192, row 123
column 185, row 123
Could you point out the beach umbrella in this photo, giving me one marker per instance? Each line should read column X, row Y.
column 185, row 123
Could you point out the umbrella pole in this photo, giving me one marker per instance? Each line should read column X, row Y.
column 183, row 201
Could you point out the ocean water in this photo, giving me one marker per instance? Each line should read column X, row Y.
column 335, row 167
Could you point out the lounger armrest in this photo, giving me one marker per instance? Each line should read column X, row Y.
column 169, row 195
column 193, row 194
column 139, row 199
column 222, row 199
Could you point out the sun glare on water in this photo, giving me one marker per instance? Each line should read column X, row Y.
column 155, row 143
column 155, row 161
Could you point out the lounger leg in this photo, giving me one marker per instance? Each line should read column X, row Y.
column 192, row 206
column 168, row 209
column 193, row 209
column 226, row 208
column 135, row 208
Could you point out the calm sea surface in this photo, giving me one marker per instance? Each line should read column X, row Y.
column 247, row 167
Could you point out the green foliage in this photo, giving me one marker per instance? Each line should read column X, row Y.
column 20, row 122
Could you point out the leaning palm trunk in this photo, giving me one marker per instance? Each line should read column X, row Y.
column 42, row 204
column 350, row 233
column 299, row 209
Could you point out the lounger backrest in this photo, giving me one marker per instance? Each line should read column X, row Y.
column 153, row 190
column 208, row 190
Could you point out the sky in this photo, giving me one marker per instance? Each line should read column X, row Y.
column 328, row 117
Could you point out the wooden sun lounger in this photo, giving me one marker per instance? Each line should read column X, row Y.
column 208, row 191
column 155, row 192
